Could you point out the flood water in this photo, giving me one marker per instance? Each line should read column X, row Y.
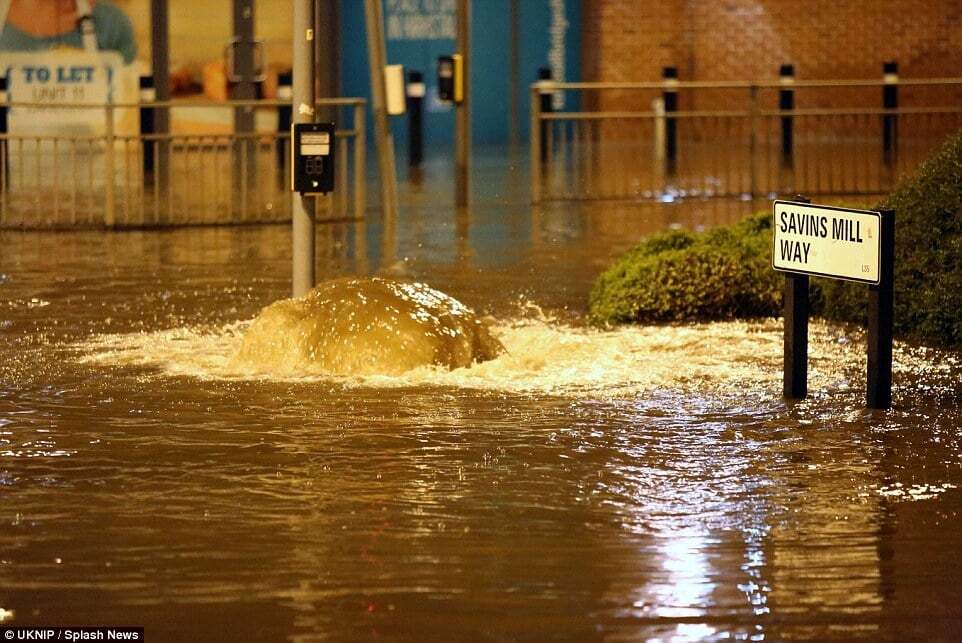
column 628, row 484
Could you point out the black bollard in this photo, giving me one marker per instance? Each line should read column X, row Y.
column 284, row 112
column 670, row 96
column 547, row 106
column 4, row 167
column 890, row 122
column 415, row 105
column 148, row 125
column 786, row 103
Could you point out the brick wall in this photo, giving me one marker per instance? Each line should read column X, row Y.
column 631, row 40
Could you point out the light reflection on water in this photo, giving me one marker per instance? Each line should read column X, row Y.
column 627, row 484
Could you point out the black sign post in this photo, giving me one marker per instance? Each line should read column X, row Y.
column 795, row 310
column 881, row 321
column 855, row 245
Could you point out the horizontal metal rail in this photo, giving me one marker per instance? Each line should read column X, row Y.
column 548, row 86
column 214, row 176
column 181, row 104
column 620, row 115
column 237, row 136
column 745, row 150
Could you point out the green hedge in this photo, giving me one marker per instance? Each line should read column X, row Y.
column 726, row 272
column 928, row 255
column 677, row 276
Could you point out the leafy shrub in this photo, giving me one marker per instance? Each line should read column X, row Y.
column 928, row 255
column 726, row 272
column 678, row 276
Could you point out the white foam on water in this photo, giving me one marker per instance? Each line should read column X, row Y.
column 912, row 493
column 541, row 357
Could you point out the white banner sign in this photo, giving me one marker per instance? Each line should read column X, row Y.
column 64, row 77
column 826, row 241
column 64, row 154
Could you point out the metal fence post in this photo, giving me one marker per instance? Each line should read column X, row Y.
column 148, row 95
column 415, row 100
column 360, row 160
column 547, row 106
column 534, row 146
column 786, row 103
column 110, row 186
column 285, row 92
column 670, row 96
column 890, row 122
column 658, row 140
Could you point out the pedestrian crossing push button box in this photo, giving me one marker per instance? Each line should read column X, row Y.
column 312, row 158
column 450, row 78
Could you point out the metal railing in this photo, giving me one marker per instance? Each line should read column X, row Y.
column 740, row 144
column 211, row 175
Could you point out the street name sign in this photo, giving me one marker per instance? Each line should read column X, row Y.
column 841, row 243
column 827, row 241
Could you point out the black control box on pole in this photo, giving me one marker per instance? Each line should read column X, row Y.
column 670, row 97
column 450, row 80
column 547, row 106
column 890, row 122
column 415, row 104
column 312, row 158
column 786, row 103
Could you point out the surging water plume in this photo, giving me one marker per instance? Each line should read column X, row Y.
column 539, row 357
column 359, row 327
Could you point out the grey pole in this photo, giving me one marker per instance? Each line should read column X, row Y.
column 244, row 88
column 377, row 59
column 327, row 55
column 302, row 210
column 463, row 128
column 160, row 69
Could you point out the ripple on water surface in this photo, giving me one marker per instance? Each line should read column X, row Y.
column 654, row 473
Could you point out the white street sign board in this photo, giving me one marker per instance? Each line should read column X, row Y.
column 826, row 241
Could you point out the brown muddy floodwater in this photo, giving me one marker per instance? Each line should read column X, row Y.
column 641, row 483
